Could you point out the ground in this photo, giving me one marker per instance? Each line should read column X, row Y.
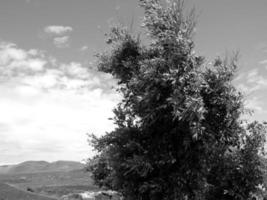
column 49, row 185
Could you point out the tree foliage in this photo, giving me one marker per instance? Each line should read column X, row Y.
column 179, row 131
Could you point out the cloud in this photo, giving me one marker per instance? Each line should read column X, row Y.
column 75, row 69
column 48, row 103
column 253, row 84
column 254, row 104
column 59, row 34
column 61, row 42
column 117, row 7
column 58, row 30
column 252, row 81
column 84, row 48
column 58, row 119
column 263, row 62
column 35, row 68
column 17, row 62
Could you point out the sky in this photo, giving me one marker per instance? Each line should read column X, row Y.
column 51, row 93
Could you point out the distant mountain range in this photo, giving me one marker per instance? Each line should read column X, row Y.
column 41, row 166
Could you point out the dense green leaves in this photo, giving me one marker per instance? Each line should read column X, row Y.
column 179, row 133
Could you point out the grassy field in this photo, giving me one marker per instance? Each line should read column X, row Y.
column 58, row 191
column 10, row 193
column 78, row 177
column 52, row 184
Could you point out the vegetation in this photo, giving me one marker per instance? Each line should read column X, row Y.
column 50, row 184
column 8, row 192
column 179, row 130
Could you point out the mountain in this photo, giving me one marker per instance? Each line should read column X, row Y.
column 40, row 166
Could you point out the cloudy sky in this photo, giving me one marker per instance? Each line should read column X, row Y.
column 51, row 93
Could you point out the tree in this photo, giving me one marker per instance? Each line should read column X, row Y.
column 179, row 131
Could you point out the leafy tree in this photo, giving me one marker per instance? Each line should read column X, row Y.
column 179, row 131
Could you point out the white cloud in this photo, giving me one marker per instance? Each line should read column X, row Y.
column 75, row 69
column 263, row 62
column 61, row 42
column 30, row 64
column 254, row 104
column 10, row 52
column 252, row 81
column 253, row 85
column 117, row 7
column 59, row 34
column 58, row 30
column 16, row 61
column 47, row 107
column 84, row 48
column 48, row 80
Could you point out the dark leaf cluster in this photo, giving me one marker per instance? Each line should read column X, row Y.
column 179, row 131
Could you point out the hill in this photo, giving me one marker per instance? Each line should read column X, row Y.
column 52, row 184
column 40, row 166
column 8, row 192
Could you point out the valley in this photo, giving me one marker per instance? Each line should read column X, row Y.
column 10, row 193
column 44, row 185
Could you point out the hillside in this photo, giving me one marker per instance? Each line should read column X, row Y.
column 52, row 184
column 8, row 192
column 40, row 166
